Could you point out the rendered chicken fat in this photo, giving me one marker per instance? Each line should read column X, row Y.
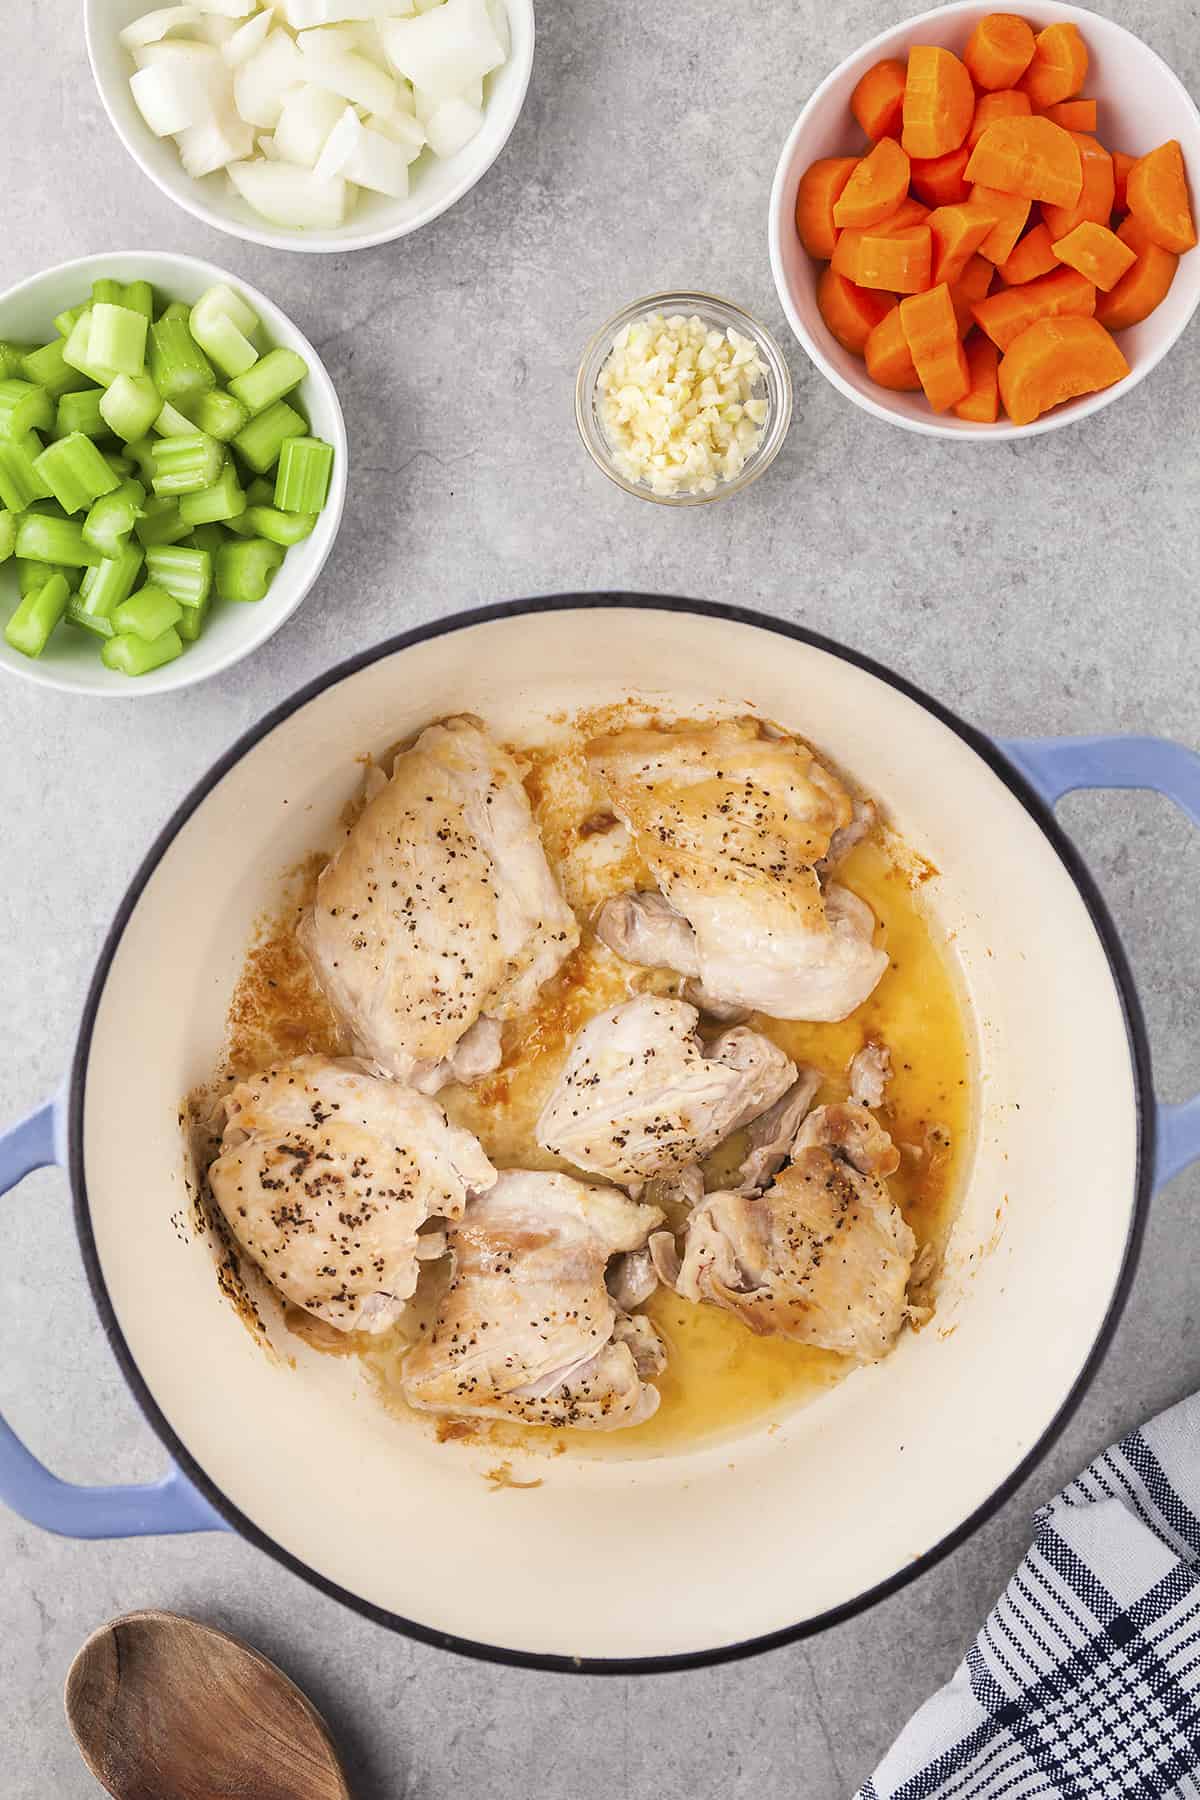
column 678, row 403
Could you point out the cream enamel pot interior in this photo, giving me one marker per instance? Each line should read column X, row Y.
column 609, row 1563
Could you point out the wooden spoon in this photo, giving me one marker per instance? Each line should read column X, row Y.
column 165, row 1709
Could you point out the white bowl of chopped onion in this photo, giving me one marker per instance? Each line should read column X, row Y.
column 317, row 125
column 683, row 398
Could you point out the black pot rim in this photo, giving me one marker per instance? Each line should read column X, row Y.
column 1139, row 1048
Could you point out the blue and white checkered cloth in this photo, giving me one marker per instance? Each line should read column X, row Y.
column 1084, row 1683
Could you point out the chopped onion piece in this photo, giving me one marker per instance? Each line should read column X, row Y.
column 213, row 144
column 214, row 30
column 301, row 14
column 170, row 97
column 262, row 83
column 227, row 9
column 288, row 195
column 403, row 130
column 380, row 164
column 340, row 146
column 152, row 27
column 266, row 147
column 308, row 116
column 444, row 49
column 498, row 14
column 452, row 125
column 247, row 39
column 333, row 38
column 346, row 73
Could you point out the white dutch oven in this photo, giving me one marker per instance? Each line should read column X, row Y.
column 610, row 1563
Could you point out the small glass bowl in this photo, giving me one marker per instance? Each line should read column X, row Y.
column 717, row 313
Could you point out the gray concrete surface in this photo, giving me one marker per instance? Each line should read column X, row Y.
column 1038, row 588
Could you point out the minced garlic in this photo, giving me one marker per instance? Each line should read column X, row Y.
column 677, row 401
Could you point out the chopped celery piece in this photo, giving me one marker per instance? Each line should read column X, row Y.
column 21, row 482
column 24, row 407
column 54, row 541
column 222, row 301
column 78, row 352
column 113, row 517
column 12, row 356
column 139, row 297
column 130, row 655
column 148, row 613
column 186, row 465
column 121, row 466
column 302, row 483
column 47, row 368
column 179, row 368
column 117, row 339
column 217, row 505
column 183, row 573
column 64, row 322
column 111, row 581
column 35, row 618
column 81, row 412
column 130, row 406
column 106, row 292
column 160, row 522
column 286, row 528
column 223, row 343
column 207, row 537
column 8, row 534
column 260, row 442
column 31, row 575
column 193, row 619
column 141, row 450
column 178, row 309
column 261, row 491
column 269, row 380
column 78, row 613
column 172, row 423
column 220, row 415
column 75, row 472
column 246, row 569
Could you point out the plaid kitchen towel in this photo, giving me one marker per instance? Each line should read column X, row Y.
column 1084, row 1683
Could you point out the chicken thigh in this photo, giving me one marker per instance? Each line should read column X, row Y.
column 823, row 1256
column 326, row 1175
column 640, row 1094
column 439, row 916
column 732, row 821
column 527, row 1328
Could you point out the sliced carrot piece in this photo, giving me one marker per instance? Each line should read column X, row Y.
column 1097, row 253
column 889, row 361
column 981, row 402
column 1008, row 213
column 1157, row 191
column 875, row 189
column 878, row 100
column 958, row 232
column 1004, row 316
column 897, row 261
column 1033, row 256
column 1131, row 231
column 999, row 50
column 819, row 189
column 1005, row 103
column 939, row 102
column 1056, row 360
column 972, row 285
column 1032, row 157
column 1138, row 293
column 909, row 212
column 850, row 312
column 1095, row 200
column 941, row 180
column 931, row 330
column 1072, row 115
column 1059, row 67
column 1121, row 167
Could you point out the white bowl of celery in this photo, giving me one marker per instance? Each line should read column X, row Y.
column 172, row 473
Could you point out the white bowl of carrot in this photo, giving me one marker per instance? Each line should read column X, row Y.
column 983, row 228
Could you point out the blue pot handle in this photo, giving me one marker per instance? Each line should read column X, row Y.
column 151, row 1509
column 1057, row 766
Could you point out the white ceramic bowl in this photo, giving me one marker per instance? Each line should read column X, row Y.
column 71, row 660
column 437, row 182
column 1142, row 102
